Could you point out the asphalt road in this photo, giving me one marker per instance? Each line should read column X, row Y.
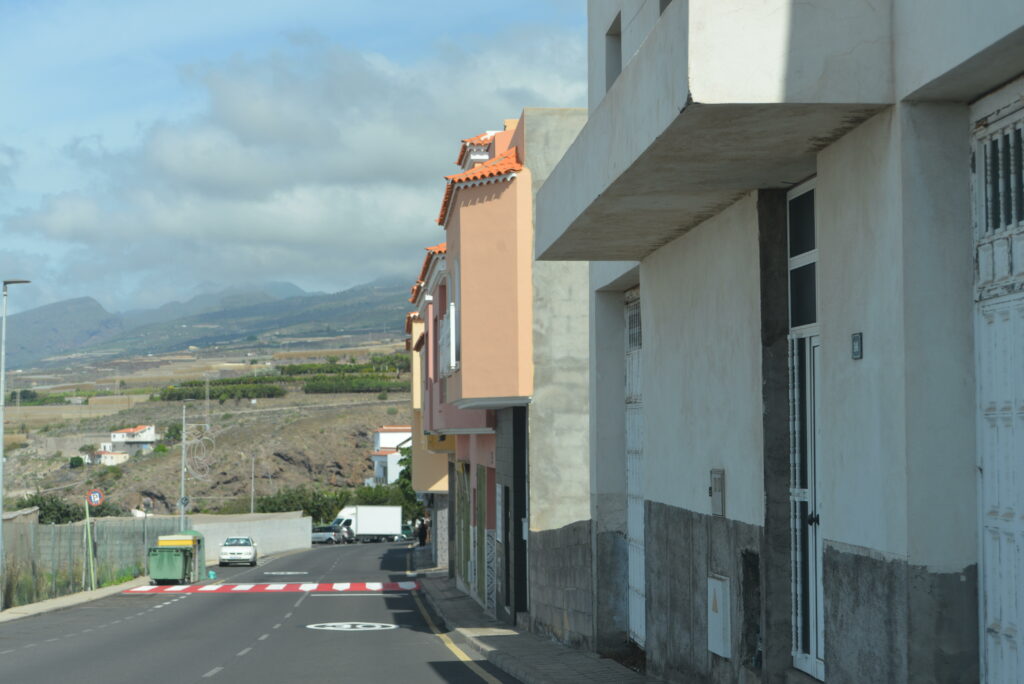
column 238, row 637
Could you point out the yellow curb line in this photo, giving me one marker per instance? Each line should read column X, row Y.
column 445, row 639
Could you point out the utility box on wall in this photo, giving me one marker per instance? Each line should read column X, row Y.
column 717, row 491
column 718, row 616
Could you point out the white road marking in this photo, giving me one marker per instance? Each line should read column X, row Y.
column 87, row 629
column 10, row 650
column 212, row 672
column 308, row 586
column 374, row 586
column 115, row 622
column 276, row 587
column 29, row 645
column 243, row 587
column 277, row 625
column 265, row 636
column 178, row 587
column 406, row 585
column 210, row 587
column 287, row 615
column 141, row 589
column 341, row 586
column 244, row 651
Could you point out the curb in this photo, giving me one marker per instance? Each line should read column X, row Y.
column 80, row 597
column 68, row 600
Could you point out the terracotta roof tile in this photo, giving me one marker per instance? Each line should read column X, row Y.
column 431, row 253
column 506, row 162
column 476, row 141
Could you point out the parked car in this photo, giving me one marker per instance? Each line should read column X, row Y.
column 327, row 534
column 238, row 550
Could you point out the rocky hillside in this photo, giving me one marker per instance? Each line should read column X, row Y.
column 303, row 440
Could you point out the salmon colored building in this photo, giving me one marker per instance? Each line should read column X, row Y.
column 497, row 334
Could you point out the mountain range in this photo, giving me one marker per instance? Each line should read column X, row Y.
column 272, row 310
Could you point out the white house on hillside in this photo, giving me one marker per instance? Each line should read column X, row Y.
column 140, row 438
column 386, row 442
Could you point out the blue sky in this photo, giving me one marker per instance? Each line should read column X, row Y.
column 149, row 147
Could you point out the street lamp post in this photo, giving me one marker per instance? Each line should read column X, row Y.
column 3, row 390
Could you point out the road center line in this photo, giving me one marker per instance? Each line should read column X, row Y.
column 213, row 672
column 265, row 636
column 244, row 651
column 277, row 625
column 10, row 650
column 287, row 615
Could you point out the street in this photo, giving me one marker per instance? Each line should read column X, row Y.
column 251, row 635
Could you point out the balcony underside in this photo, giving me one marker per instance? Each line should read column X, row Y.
column 490, row 402
column 707, row 158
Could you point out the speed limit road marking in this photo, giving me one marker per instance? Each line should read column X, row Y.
column 353, row 626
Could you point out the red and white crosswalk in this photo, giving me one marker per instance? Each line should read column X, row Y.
column 274, row 588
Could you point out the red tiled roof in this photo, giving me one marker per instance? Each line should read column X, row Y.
column 133, row 430
column 475, row 141
column 384, row 452
column 431, row 252
column 506, row 162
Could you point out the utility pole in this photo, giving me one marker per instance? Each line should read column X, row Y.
column 3, row 388
column 182, row 501
column 252, row 486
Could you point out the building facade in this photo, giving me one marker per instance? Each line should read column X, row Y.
column 507, row 338
column 804, row 229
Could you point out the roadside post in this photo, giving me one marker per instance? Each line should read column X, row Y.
column 93, row 498
column 147, row 506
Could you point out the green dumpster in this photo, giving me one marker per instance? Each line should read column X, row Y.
column 177, row 558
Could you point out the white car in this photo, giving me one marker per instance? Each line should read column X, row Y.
column 238, row 550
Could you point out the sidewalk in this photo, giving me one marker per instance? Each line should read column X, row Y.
column 526, row 656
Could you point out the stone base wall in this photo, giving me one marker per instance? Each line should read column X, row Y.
column 889, row 621
column 561, row 584
column 439, row 529
column 682, row 548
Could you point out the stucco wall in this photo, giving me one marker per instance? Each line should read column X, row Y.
column 489, row 244
column 863, row 440
column 702, row 366
column 272, row 532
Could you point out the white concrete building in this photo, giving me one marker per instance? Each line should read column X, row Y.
column 110, row 458
column 806, row 228
column 132, row 440
column 387, row 440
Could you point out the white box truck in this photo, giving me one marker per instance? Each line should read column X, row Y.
column 372, row 523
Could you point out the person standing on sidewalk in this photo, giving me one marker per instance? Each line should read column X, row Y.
column 421, row 532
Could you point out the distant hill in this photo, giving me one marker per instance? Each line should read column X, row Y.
column 83, row 325
column 59, row 328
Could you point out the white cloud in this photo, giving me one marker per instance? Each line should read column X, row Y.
column 314, row 164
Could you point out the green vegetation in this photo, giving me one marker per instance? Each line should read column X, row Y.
column 355, row 383
column 379, row 363
column 252, row 390
column 75, row 462
column 55, row 510
column 321, row 505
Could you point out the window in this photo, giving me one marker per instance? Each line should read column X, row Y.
column 613, row 52
column 803, row 257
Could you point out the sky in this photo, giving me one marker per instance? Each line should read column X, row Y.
column 150, row 150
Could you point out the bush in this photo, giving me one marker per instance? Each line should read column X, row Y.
column 382, row 396
column 76, row 462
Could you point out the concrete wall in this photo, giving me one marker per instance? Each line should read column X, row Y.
column 561, row 585
column 272, row 532
column 690, row 547
column 702, row 366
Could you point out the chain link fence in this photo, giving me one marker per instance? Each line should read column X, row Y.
column 46, row 561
